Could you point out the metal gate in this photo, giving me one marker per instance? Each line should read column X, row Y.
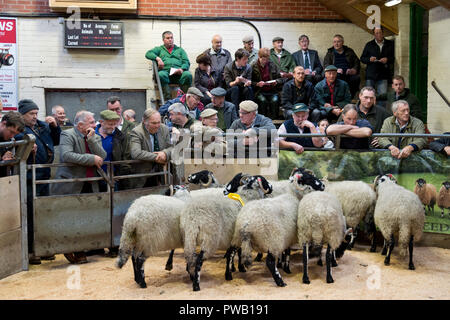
column 88, row 221
column 13, row 211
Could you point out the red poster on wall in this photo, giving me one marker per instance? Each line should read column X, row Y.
column 8, row 63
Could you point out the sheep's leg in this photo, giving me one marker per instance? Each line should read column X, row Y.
column 271, row 265
column 384, row 250
column 241, row 266
column 333, row 259
column 259, row 257
column 328, row 261
column 280, row 261
column 198, row 268
column 319, row 262
column 391, row 247
column 140, row 271
column 133, row 259
column 353, row 238
column 373, row 247
column 229, row 255
column 169, row 263
column 411, row 244
column 305, row 264
column 286, row 262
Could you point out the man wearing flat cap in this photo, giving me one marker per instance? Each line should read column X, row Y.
column 116, row 145
column 207, row 135
column 282, row 58
column 252, row 123
column 330, row 97
column 47, row 135
column 226, row 111
column 299, row 124
column 191, row 100
column 248, row 43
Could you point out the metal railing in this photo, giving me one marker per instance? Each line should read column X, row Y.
column 434, row 85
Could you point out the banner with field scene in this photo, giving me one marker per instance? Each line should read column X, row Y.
column 434, row 168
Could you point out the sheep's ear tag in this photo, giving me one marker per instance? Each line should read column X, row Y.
column 235, row 196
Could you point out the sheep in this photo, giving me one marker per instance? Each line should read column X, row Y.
column 427, row 193
column 358, row 202
column 151, row 225
column 205, row 179
column 209, row 222
column 443, row 200
column 398, row 210
column 270, row 225
column 321, row 220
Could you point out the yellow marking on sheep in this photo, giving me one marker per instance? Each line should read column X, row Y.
column 235, row 196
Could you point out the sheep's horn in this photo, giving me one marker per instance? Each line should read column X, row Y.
column 261, row 186
column 243, row 179
column 309, row 171
column 206, row 185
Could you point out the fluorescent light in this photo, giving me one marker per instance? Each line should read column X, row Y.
column 391, row 3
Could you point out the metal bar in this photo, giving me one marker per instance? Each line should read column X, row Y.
column 158, row 81
column 433, row 83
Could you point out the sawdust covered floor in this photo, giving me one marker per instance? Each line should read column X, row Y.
column 360, row 275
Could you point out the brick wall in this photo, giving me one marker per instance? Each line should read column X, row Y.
column 296, row 9
column 299, row 9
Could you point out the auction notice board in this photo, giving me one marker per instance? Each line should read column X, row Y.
column 8, row 63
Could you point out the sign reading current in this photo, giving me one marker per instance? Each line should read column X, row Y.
column 93, row 34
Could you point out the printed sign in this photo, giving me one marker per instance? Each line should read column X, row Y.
column 8, row 63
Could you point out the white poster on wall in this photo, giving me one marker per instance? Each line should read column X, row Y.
column 8, row 63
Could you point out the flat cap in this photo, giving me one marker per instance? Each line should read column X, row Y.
column 218, row 92
column 178, row 107
column 248, row 106
column 208, row 113
column 27, row 105
column 300, row 107
column 109, row 115
column 194, row 90
column 247, row 39
column 330, row 68
column 277, row 39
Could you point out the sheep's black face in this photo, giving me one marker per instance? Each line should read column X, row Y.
column 306, row 178
column 446, row 184
column 199, row 177
column 421, row 182
column 234, row 184
column 264, row 184
column 383, row 178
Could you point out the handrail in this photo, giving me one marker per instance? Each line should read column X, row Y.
column 158, row 81
column 434, row 85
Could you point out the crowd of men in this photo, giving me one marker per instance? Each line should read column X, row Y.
column 244, row 94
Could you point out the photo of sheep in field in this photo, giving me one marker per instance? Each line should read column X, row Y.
column 424, row 173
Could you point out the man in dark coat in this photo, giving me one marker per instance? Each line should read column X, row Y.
column 297, row 90
column 226, row 111
column 47, row 137
column 309, row 60
column 379, row 57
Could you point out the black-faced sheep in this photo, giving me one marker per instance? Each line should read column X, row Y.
column 151, row 225
column 270, row 225
column 398, row 211
column 209, row 221
column 443, row 201
column 427, row 193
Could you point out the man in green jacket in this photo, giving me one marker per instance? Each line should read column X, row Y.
column 282, row 58
column 402, row 93
column 173, row 64
column 402, row 122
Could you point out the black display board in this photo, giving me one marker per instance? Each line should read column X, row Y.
column 93, row 34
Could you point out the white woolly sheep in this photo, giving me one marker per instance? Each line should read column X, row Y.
column 270, row 225
column 427, row 193
column 151, row 225
column 443, row 201
column 398, row 210
column 358, row 202
column 321, row 221
column 205, row 179
column 209, row 222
